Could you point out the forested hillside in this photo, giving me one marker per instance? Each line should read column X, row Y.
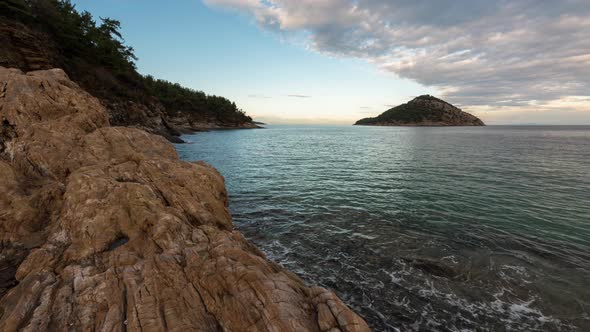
column 44, row 34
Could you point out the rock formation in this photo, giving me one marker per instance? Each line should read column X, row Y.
column 423, row 111
column 104, row 228
column 25, row 48
column 128, row 103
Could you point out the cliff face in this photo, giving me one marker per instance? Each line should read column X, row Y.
column 104, row 228
column 125, row 96
column 423, row 111
column 25, row 48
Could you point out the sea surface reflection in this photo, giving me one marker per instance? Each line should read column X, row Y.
column 439, row 229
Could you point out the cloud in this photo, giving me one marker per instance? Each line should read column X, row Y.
column 235, row 4
column 298, row 96
column 259, row 96
column 505, row 53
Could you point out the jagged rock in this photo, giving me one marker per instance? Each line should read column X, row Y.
column 423, row 111
column 104, row 228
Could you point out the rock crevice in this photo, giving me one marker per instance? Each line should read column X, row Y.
column 104, row 228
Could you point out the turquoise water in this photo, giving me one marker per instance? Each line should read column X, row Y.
column 438, row 229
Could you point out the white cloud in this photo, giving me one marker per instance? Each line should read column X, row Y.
column 235, row 4
column 505, row 53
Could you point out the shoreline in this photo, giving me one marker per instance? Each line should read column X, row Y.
column 178, row 139
column 416, row 125
column 106, row 226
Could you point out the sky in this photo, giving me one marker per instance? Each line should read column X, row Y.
column 336, row 61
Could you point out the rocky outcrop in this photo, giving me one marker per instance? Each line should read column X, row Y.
column 25, row 48
column 104, row 228
column 423, row 111
column 128, row 103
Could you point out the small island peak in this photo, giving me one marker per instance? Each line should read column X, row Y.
column 424, row 110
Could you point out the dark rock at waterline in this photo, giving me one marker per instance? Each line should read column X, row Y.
column 432, row 267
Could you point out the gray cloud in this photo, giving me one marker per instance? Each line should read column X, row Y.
column 299, row 96
column 508, row 53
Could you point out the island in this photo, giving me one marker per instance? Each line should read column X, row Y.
column 423, row 111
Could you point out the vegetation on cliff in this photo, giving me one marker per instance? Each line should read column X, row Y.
column 181, row 99
column 44, row 34
column 423, row 111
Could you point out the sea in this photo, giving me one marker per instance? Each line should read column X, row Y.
column 420, row 229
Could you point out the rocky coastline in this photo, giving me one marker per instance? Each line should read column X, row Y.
column 104, row 228
column 126, row 99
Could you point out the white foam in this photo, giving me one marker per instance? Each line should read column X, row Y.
column 364, row 236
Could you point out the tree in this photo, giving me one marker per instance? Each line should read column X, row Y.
column 96, row 55
column 15, row 9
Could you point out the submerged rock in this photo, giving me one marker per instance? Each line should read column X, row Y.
column 423, row 111
column 104, row 228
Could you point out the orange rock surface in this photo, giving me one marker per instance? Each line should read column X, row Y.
column 104, row 229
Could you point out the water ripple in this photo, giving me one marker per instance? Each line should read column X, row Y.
column 441, row 229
